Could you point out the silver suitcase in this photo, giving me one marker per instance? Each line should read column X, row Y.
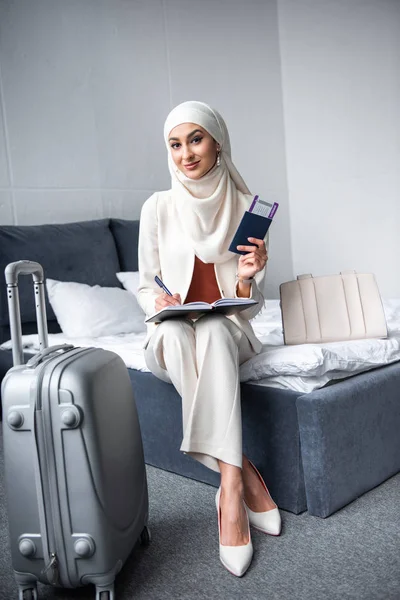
column 75, row 475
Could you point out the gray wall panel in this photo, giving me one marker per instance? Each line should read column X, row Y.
column 4, row 175
column 34, row 207
column 129, row 93
column 124, row 204
column 341, row 88
column 6, row 211
column 48, row 101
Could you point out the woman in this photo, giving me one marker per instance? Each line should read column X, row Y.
column 184, row 237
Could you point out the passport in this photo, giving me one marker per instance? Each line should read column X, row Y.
column 251, row 225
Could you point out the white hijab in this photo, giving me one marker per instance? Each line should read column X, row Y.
column 210, row 208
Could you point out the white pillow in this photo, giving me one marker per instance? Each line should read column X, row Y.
column 130, row 280
column 93, row 311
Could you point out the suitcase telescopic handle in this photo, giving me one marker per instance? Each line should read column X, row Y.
column 23, row 267
column 12, row 272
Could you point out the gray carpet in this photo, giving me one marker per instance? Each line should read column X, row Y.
column 354, row 554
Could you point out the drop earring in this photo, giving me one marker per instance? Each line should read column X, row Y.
column 218, row 158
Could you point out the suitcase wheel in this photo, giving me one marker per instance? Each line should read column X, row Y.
column 105, row 594
column 145, row 536
column 28, row 594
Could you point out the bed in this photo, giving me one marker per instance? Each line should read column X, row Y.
column 320, row 421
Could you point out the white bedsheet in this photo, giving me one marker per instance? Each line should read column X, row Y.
column 302, row 368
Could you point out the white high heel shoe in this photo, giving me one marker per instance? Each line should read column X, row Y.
column 268, row 521
column 236, row 559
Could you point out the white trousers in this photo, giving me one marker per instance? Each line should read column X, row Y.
column 201, row 359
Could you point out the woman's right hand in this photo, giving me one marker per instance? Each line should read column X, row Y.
column 164, row 300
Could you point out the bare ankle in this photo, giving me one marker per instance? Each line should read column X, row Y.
column 232, row 490
column 231, row 479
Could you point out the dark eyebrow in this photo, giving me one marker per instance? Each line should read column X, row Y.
column 188, row 135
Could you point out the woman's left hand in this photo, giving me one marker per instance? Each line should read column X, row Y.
column 254, row 260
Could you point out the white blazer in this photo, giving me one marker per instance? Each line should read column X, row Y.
column 164, row 250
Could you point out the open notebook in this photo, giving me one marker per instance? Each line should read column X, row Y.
column 225, row 306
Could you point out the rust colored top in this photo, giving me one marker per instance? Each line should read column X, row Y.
column 203, row 286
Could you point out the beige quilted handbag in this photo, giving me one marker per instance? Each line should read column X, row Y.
column 332, row 308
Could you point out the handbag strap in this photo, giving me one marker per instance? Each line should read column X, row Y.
column 308, row 275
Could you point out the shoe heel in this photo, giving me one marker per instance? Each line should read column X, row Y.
column 269, row 521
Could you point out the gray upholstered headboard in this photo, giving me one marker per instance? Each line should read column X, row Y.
column 89, row 252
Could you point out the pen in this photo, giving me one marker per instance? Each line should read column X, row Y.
column 160, row 283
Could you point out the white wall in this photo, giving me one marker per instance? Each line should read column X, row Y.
column 84, row 94
column 341, row 90
column 310, row 90
column 86, row 86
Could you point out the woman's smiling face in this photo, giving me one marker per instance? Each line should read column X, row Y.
column 193, row 149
